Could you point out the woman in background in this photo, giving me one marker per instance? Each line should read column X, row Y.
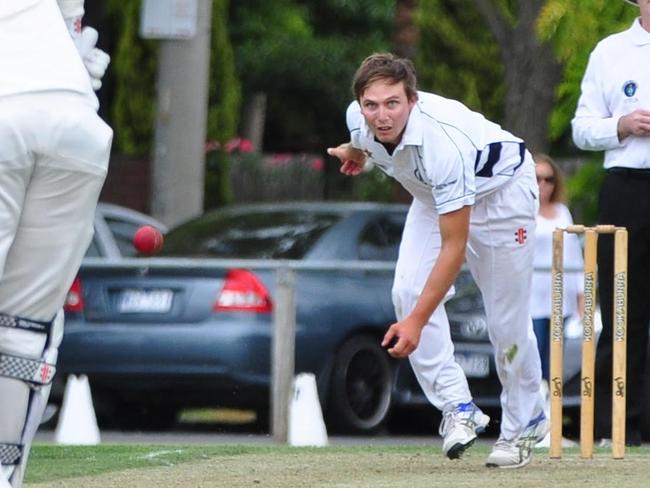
column 553, row 213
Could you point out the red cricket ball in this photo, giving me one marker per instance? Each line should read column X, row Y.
column 148, row 240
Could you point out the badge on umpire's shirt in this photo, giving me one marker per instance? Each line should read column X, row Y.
column 629, row 88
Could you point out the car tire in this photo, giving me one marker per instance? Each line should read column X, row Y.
column 361, row 386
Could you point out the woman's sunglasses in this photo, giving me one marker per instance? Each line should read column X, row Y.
column 546, row 179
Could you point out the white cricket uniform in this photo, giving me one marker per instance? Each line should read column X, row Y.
column 54, row 153
column 450, row 157
column 540, row 297
column 615, row 84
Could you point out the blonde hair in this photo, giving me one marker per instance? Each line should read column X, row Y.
column 558, row 194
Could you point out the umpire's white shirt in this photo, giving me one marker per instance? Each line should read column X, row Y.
column 616, row 82
column 32, row 44
column 465, row 156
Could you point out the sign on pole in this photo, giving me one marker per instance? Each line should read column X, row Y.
column 168, row 19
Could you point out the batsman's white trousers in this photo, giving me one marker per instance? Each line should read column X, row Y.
column 54, row 152
column 500, row 257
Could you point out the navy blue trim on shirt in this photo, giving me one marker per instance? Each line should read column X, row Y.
column 522, row 154
column 493, row 158
column 494, row 155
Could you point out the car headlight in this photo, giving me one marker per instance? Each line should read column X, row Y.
column 474, row 328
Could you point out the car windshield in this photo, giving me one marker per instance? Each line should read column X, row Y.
column 258, row 235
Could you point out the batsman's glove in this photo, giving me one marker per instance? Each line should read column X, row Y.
column 95, row 60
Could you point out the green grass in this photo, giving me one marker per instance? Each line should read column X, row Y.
column 232, row 466
column 53, row 462
column 49, row 462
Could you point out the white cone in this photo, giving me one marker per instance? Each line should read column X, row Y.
column 77, row 423
column 306, row 424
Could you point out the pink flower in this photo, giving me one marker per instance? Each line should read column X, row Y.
column 212, row 146
column 246, row 146
column 317, row 164
column 238, row 144
column 232, row 145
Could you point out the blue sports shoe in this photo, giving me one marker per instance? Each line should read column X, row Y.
column 459, row 428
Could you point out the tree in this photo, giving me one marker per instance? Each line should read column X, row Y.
column 224, row 104
column 133, row 68
column 574, row 32
column 302, row 54
column 405, row 31
column 458, row 57
column 518, row 61
column 508, row 50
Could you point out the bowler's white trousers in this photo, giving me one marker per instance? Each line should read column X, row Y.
column 500, row 258
column 54, row 153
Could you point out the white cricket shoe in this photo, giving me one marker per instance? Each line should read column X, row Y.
column 459, row 427
column 509, row 454
column 518, row 452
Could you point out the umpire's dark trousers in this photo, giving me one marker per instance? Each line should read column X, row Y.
column 624, row 201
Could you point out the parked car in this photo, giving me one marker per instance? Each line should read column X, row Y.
column 114, row 227
column 193, row 327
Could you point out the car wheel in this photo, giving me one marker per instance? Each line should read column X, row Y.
column 361, row 386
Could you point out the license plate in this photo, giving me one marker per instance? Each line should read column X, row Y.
column 145, row 301
column 474, row 365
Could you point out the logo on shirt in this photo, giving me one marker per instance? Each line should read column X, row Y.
column 629, row 88
column 520, row 235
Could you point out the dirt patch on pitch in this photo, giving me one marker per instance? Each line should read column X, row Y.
column 314, row 468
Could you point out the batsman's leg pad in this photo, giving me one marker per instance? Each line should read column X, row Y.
column 28, row 353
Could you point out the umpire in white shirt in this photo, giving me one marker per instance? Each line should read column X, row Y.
column 613, row 115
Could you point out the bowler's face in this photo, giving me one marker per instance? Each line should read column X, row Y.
column 386, row 109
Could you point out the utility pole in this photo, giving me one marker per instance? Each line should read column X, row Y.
column 182, row 105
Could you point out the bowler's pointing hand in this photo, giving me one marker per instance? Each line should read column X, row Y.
column 352, row 159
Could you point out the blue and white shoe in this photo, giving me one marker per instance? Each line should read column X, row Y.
column 518, row 452
column 509, row 454
column 536, row 429
column 459, row 428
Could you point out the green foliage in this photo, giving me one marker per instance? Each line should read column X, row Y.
column 458, row 60
column 302, row 54
column 133, row 66
column 224, row 100
column 374, row 186
column 225, row 91
column 583, row 189
column 574, row 32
